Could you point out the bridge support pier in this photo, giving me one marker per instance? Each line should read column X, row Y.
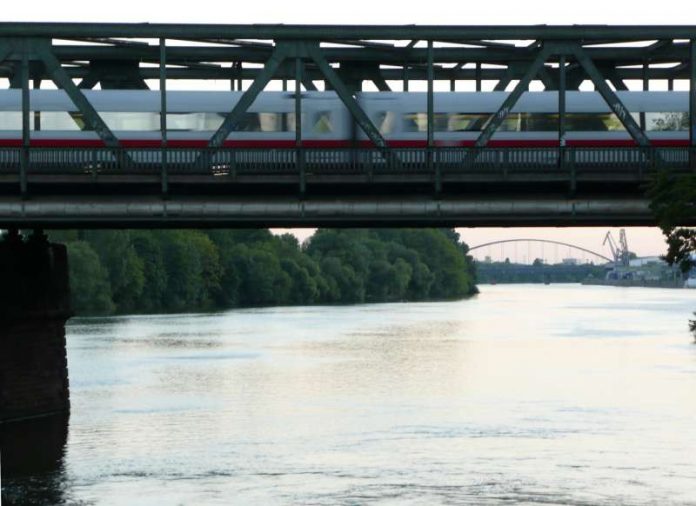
column 34, row 306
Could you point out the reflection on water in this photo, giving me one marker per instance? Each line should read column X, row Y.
column 522, row 395
column 31, row 455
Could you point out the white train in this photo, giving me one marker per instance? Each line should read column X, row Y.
column 133, row 116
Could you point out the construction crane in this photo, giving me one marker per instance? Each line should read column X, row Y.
column 618, row 251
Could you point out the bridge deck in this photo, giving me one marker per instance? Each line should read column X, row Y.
column 220, row 187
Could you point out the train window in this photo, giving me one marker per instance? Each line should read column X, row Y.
column 418, row 122
column 194, row 121
column 11, row 120
column 131, row 120
column 322, row 123
column 58, row 120
column 543, row 122
column 453, row 122
column 268, row 122
column 41, row 120
column 467, row 122
column 249, row 122
column 262, row 122
column 598, row 122
column 522, row 122
column 667, row 121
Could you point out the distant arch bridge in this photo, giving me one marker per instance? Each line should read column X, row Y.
column 546, row 241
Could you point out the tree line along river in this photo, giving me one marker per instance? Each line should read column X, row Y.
column 149, row 271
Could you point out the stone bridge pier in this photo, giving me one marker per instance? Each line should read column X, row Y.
column 34, row 306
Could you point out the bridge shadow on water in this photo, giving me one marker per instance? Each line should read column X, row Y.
column 31, row 456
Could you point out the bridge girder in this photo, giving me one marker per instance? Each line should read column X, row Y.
column 115, row 56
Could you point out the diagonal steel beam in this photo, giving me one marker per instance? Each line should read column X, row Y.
column 547, row 79
column 346, row 97
column 89, row 81
column 62, row 80
column 308, row 83
column 609, row 96
column 235, row 115
column 499, row 86
column 514, row 96
column 5, row 50
column 380, row 83
column 613, row 78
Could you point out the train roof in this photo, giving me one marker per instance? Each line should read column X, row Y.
column 541, row 101
column 463, row 102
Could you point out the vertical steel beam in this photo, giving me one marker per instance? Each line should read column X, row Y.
column 562, row 87
column 405, row 77
column 240, row 81
column 26, row 140
column 431, row 119
column 299, row 155
column 692, row 99
column 346, row 97
column 646, row 87
column 235, row 115
column 562, row 103
column 37, row 114
column 610, row 97
column 514, row 96
column 431, row 112
column 298, row 101
column 163, row 113
column 478, row 76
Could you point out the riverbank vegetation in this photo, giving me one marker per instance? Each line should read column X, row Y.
column 673, row 201
column 151, row 271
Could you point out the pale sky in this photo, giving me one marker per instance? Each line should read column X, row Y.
column 644, row 241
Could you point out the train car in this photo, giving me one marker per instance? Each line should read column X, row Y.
column 459, row 118
column 192, row 117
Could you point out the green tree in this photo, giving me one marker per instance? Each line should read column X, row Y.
column 125, row 267
column 184, row 270
column 673, row 201
column 148, row 247
column 90, row 291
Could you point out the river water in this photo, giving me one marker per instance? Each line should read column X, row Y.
column 527, row 394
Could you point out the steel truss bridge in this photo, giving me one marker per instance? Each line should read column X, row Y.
column 115, row 185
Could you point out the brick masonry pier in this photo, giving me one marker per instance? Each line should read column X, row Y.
column 34, row 306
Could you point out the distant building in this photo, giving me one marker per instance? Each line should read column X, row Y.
column 570, row 261
column 643, row 261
